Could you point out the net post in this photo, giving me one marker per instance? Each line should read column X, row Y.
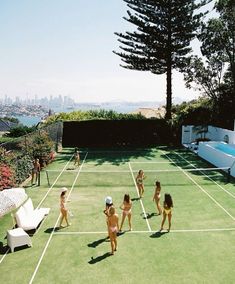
column 48, row 181
column 39, row 178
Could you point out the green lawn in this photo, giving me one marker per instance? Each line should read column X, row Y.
column 199, row 249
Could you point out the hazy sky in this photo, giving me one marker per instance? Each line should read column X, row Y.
column 52, row 47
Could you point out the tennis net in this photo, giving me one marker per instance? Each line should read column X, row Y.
column 126, row 178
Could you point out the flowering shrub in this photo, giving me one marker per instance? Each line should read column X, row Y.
column 23, row 168
column 15, row 168
column 39, row 145
column 6, row 176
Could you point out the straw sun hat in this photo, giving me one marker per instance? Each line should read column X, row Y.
column 63, row 189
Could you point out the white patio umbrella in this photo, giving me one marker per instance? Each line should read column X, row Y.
column 10, row 199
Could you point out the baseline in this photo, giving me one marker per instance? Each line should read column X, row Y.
column 144, row 232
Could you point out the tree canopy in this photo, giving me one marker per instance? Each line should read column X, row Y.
column 161, row 41
column 214, row 74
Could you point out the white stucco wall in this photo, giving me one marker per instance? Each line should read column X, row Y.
column 218, row 134
column 214, row 134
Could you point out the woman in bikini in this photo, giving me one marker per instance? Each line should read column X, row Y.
column 113, row 228
column 167, row 211
column 76, row 158
column 63, row 208
column 126, row 210
column 35, row 171
column 140, row 182
column 156, row 197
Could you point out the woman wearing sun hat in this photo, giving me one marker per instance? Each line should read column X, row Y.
column 63, row 208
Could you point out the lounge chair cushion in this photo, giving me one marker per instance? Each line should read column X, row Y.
column 29, row 218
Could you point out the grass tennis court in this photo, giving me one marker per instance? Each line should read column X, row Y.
column 199, row 249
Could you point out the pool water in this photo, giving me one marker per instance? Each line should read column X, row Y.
column 219, row 154
column 225, row 148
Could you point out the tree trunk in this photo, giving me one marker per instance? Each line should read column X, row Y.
column 168, row 91
column 169, row 66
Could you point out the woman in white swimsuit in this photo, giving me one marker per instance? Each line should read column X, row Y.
column 126, row 210
column 113, row 228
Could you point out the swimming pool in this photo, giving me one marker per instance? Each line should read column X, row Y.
column 225, row 148
column 219, row 154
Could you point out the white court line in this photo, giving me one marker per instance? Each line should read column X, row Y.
column 128, row 161
column 203, row 230
column 49, row 240
column 145, row 215
column 144, row 232
column 42, row 200
column 133, row 162
column 152, row 162
column 207, row 176
column 203, row 190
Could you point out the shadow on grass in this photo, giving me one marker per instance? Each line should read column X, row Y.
column 148, row 215
column 106, row 239
column 6, row 249
column 99, row 258
column 50, row 230
column 135, row 199
column 96, row 243
column 158, row 234
column 3, row 248
column 120, row 233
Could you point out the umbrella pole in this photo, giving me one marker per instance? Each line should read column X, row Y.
column 39, row 178
column 13, row 220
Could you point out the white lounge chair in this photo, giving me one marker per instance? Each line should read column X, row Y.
column 29, row 218
column 17, row 237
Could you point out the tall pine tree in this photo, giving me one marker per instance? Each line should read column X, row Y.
column 161, row 42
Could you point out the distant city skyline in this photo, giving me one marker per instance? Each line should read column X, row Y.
column 35, row 100
column 57, row 47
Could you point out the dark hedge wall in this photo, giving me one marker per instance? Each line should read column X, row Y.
column 106, row 133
